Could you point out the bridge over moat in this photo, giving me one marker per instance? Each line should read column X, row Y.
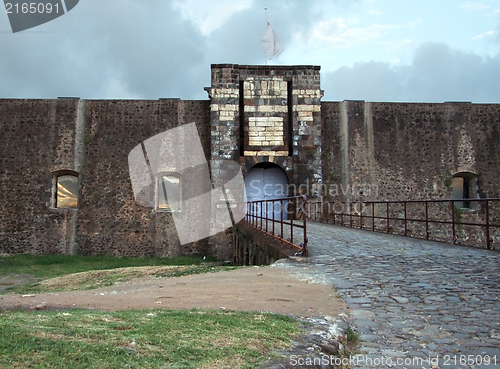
column 409, row 298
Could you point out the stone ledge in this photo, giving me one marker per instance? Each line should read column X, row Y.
column 267, row 67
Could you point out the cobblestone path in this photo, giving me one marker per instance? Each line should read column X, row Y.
column 410, row 300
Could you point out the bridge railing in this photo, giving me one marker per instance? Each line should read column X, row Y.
column 473, row 222
column 283, row 219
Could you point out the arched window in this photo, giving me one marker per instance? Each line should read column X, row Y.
column 65, row 190
column 168, row 192
column 464, row 187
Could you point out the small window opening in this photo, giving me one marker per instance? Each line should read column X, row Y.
column 464, row 187
column 168, row 192
column 66, row 194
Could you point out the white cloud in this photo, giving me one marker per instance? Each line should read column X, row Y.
column 473, row 6
column 486, row 34
column 210, row 15
column 338, row 32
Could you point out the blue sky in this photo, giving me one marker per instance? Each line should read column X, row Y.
column 374, row 50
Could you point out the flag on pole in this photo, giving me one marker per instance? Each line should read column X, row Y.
column 271, row 43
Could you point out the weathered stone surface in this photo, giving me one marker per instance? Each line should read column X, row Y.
column 38, row 137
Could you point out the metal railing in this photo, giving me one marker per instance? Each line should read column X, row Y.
column 473, row 222
column 282, row 219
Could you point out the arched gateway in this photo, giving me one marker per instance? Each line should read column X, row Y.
column 267, row 181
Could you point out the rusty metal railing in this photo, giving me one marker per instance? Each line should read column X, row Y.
column 439, row 220
column 280, row 219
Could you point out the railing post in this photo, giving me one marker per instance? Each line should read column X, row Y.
column 268, row 202
column 261, row 214
column 273, row 215
column 267, row 214
column 342, row 215
column 373, row 217
column 254, row 214
column 426, row 220
column 406, row 223
column 305, row 251
column 488, row 244
column 361, row 211
column 453, row 220
column 350, row 214
column 281, row 218
column 387, row 216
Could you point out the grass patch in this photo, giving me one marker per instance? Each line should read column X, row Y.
column 141, row 339
column 102, row 278
column 352, row 336
column 67, row 273
column 43, row 267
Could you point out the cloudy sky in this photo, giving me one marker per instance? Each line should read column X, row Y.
column 374, row 50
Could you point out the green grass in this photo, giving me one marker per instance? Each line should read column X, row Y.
column 102, row 278
column 352, row 336
column 67, row 273
column 163, row 339
column 43, row 267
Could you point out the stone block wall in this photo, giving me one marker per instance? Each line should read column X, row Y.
column 408, row 150
column 266, row 132
column 411, row 151
column 92, row 138
column 36, row 138
column 265, row 116
column 271, row 106
column 307, row 133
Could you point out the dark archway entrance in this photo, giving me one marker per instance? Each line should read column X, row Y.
column 267, row 181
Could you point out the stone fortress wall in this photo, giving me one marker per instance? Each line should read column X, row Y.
column 255, row 114
column 41, row 137
column 414, row 151
column 410, row 150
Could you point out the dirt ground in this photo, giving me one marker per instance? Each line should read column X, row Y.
column 266, row 289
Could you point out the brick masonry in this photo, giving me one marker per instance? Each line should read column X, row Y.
column 255, row 114
column 265, row 114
